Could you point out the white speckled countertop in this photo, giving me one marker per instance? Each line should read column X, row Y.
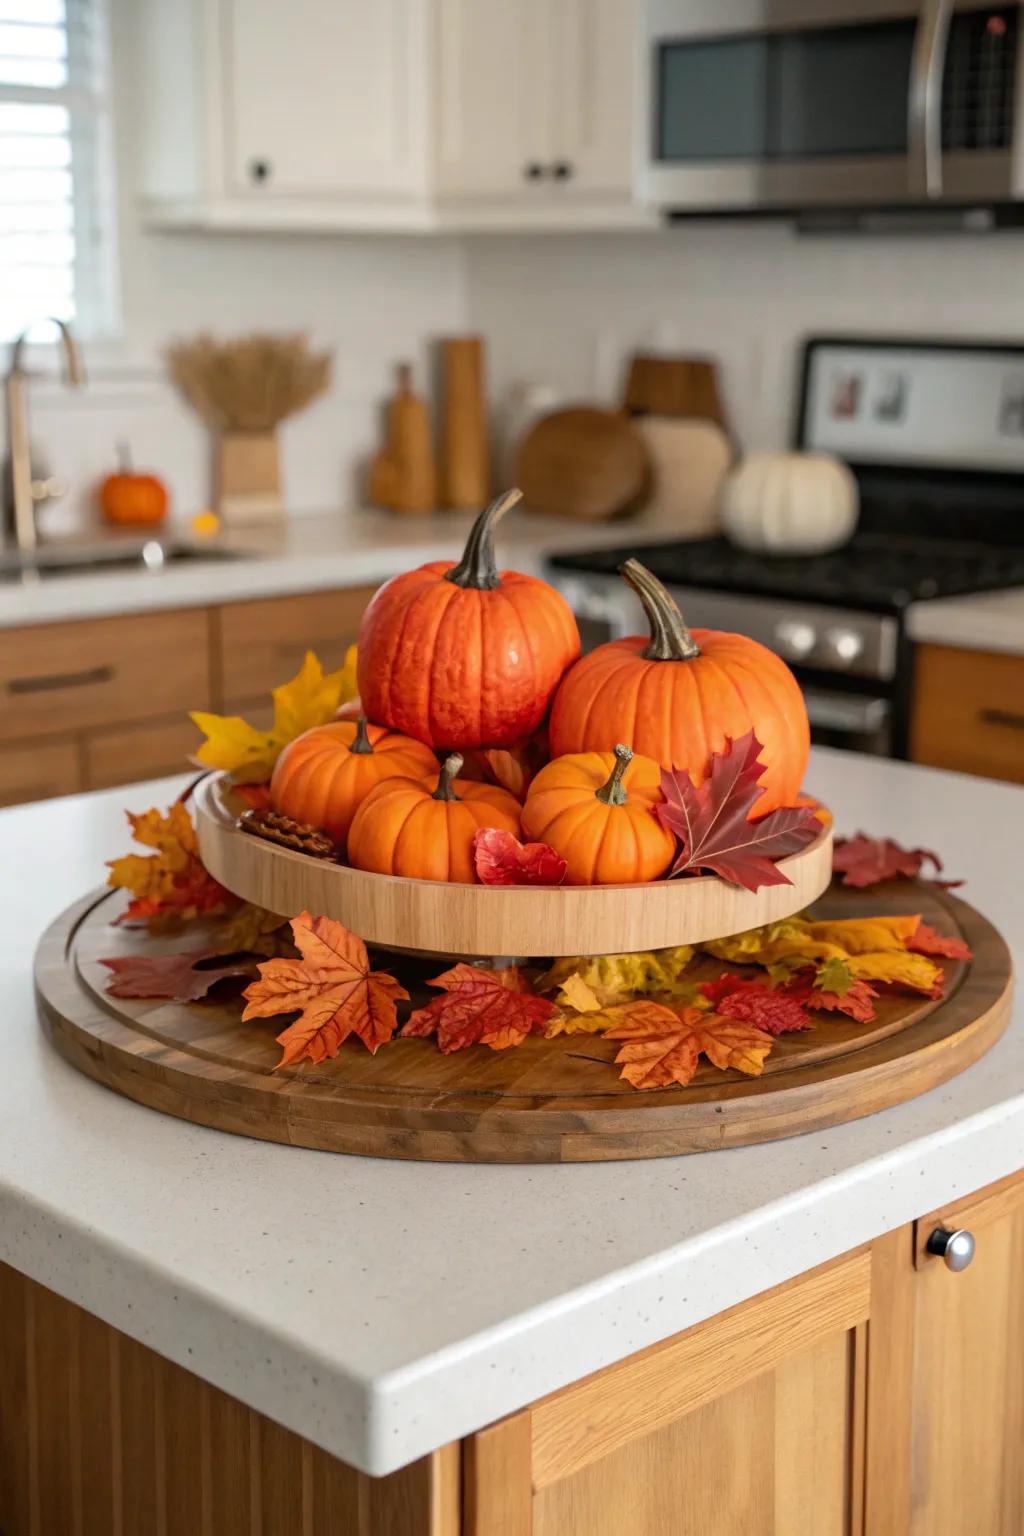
column 383, row 1308
column 307, row 553
column 989, row 621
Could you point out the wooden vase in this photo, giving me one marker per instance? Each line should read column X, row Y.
column 403, row 475
column 465, row 452
column 247, row 476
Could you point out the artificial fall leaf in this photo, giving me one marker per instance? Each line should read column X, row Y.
column 834, row 976
column 501, row 859
column 857, row 1001
column 751, row 946
column 479, row 1007
column 864, row 861
column 332, row 989
column 170, row 882
column 614, row 978
column 926, row 941
column 735, row 997
column 255, row 796
column 713, row 822
column 253, row 931
column 576, row 994
column 182, row 977
column 567, row 1021
column 663, row 1045
column 915, row 972
column 236, row 747
column 865, row 935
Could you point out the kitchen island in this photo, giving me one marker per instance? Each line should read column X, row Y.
column 407, row 1316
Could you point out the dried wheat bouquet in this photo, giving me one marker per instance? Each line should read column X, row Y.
column 251, row 383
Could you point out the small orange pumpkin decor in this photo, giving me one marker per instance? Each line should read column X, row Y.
column 464, row 655
column 325, row 774
column 132, row 500
column 678, row 696
column 423, row 828
column 605, row 830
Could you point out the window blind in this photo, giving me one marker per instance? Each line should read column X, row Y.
column 54, row 229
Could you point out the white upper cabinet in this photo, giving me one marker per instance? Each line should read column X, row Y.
column 395, row 114
column 323, row 99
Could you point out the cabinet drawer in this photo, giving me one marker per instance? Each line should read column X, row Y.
column 38, row 771
column 69, row 677
column 139, row 752
column 968, row 711
column 263, row 643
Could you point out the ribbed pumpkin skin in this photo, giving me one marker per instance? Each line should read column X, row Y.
column 601, row 844
column 463, row 666
column 679, row 712
column 319, row 779
column 400, row 829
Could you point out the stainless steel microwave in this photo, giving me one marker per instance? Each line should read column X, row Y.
column 796, row 105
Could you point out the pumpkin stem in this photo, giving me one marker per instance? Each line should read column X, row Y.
column 450, row 769
column 477, row 567
column 670, row 639
column 361, row 743
column 614, row 792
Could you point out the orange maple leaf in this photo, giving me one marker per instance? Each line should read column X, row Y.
column 332, row 989
column 172, row 881
column 664, row 1044
column 494, row 1008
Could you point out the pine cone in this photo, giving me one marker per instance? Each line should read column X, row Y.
column 298, row 835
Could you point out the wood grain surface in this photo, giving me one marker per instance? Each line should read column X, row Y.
column 545, row 1101
column 493, row 920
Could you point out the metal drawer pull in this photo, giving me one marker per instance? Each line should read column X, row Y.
column 956, row 1249
column 1002, row 717
column 60, row 680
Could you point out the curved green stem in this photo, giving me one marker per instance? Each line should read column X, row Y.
column 477, row 568
column 670, row 639
column 362, row 743
column 450, row 769
column 614, row 791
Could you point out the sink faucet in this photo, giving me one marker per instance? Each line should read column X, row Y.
column 20, row 491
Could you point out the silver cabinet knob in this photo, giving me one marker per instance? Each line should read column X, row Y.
column 955, row 1248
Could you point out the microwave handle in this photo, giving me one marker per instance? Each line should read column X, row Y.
column 924, row 119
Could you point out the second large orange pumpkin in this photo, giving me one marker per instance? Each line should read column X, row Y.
column 678, row 696
column 464, row 655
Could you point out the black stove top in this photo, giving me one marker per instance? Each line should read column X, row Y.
column 875, row 572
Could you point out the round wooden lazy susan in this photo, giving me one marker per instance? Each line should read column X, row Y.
column 545, row 1101
column 494, row 920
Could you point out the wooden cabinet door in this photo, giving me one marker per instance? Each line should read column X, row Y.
column 325, row 99
column 491, row 92
column 968, row 711
column 263, row 643
column 593, row 45
column 750, row 1422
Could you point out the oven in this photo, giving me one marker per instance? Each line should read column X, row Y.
column 797, row 105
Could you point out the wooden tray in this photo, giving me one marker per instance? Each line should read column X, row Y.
column 493, row 920
column 545, row 1101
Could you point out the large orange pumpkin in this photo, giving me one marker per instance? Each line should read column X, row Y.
column 462, row 655
column 424, row 827
column 604, row 827
column 325, row 774
column 678, row 696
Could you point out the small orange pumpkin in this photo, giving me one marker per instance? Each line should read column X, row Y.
column 130, row 499
column 423, row 828
column 324, row 775
column 605, row 829
column 678, row 696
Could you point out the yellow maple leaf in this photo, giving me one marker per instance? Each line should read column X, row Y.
column 611, row 978
column 867, row 935
column 568, row 1022
column 171, row 881
column 574, row 993
column 749, row 948
column 311, row 698
column 900, row 969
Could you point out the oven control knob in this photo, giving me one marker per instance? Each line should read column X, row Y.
column 795, row 638
column 842, row 647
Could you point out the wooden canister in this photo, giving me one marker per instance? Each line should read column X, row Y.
column 465, row 452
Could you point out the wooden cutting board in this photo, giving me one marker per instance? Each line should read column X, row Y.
column 674, row 386
column 583, row 462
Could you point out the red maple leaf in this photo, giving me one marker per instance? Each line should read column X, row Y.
column 864, row 861
column 332, row 989
column 926, row 941
column 493, row 1008
column 663, row 1044
column 768, row 1008
column 857, row 1001
column 256, row 796
column 501, row 859
column 181, row 976
column 713, row 822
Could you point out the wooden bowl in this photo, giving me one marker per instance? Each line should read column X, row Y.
column 523, row 921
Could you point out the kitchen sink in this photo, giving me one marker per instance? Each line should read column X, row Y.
column 87, row 560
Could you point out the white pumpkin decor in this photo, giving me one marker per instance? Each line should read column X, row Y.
column 790, row 503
